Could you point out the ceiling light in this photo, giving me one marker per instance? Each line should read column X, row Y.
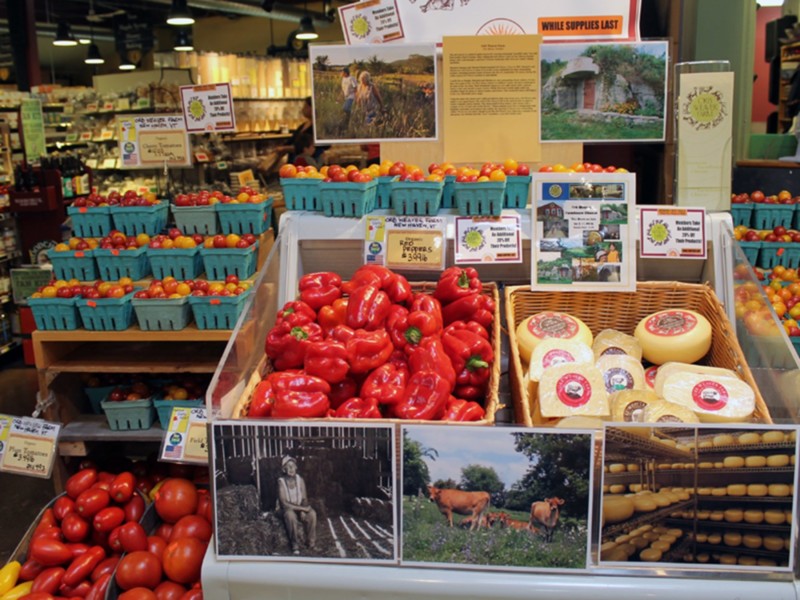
column 179, row 14
column 307, row 31
column 125, row 64
column 84, row 41
column 93, row 56
column 64, row 36
column 183, row 42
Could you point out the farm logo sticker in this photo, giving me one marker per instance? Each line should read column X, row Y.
column 360, row 27
column 197, row 110
column 553, row 325
column 704, row 108
column 574, row 390
column 658, row 233
column 473, row 239
column 710, row 395
column 673, row 322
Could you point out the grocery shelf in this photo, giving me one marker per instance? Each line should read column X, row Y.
column 689, row 523
column 747, row 448
column 645, row 519
column 133, row 334
column 743, row 470
column 94, row 428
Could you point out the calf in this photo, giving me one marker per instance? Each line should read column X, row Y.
column 497, row 518
column 516, row 524
column 449, row 501
column 544, row 513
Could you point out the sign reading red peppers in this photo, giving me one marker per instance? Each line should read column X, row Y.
column 372, row 347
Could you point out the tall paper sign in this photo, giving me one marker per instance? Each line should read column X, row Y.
column 705, row 122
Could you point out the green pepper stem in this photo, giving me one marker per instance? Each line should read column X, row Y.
column 298, row 333
column 463, row 280
column 413, row 335
column 476, row 362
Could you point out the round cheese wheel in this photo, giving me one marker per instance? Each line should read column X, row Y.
column 677, row 465
column 632, row 467
column 750, row 438
column 716, row 515
column 608, row 546
column 719, row 491
column 714, row 538
column 650, row 555
column 751, row 540
column 674, row 335
column 775, row 516
column 793, row 435
column 550, row 324
column 683, row 496
column 580, row 422
column 718, row 465
column 635, row 487
column 643, row 528
column 675, row 532
column 703, row 515
column 727, row 559
column 660, row 545
column 737, row 489
column 668, row 442
column 664, row 466
column 788, row 514
column 755, row 462
column 705, row 465
column 773, row 542
column 616, row 468
column 780, row 490
column 688, row 465
column 747, row 561
column 661, row 500
column 617, row 509
column 605, row 489
column 702, row 538
column 734, row 515
column 670, row 539
column 778, row 460
column 639, row 542
column 614, row 555
column 723, row 439
column 671, row 496
column 732, row 538
column 733, row 462
column 644, row 503
column 622, row 539
column 706, row 444
column 757, row 489
column 628, row 549
column 773, row 437
column 617, row 488
column 766, row 562
column 650, row 536
column 660, row 530
column 702, row 557
column 753, row 515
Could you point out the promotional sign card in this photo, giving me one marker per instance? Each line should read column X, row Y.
column 371, row 22
column 672, row 232
column 583, row 237
column 405, row 242
column 148, row 141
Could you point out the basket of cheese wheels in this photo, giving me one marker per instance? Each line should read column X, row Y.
column 664, row 353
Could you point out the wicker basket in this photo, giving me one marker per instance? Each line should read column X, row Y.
column 623, row 311
column 491, row 404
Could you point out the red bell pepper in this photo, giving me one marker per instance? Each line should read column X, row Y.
column 320, row 289
column 399, row 359
column 287, row 345
column 455, row 283
column 475, row 307
column 399, row 290
column 300, row 396
column 386, row 383
column 471, row 392
column 332, row 315
column 358, row 408
column 341, row 391
column 472, row 326
column 429, row 304
column 429, row 355
column 327, row 360
column 408, row 328
column 463, row 410
column 295, row 313
column 368, row 350
column 341, row 333
column 470, row 354
column 263, row 398
column 367, row 308
column 395, row 285
column 425, row 397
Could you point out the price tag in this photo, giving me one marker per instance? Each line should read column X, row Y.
column 488, row 240
column 86, row 136
column 109, row 163
column 672, row 232
column 201, row 157
column 106, row 134
column 143, row 103
column 27, row 445
column 123, row 104
column 71, row 137
column 91, row 107
column 405, row 242
column 186, row 439
column 222, row 165
column 108, row 106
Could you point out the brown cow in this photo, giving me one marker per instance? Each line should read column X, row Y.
column 517, row 524
column 545, row 515
column 499, row 519
column 452, row 501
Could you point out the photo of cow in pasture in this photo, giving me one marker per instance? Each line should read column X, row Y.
column 502, row 498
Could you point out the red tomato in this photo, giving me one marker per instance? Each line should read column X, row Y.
column 48, row 580
column 101, row 485
column 183, row 559
column 169, row 590
column 48, row 552
column 191, row 526
column 30, row 570
column 163, row 531
column 81, row 567
column 63, row 506
column 108, row 518
column 204, row 505
column 77, row 550
column 80, row 590
column 52, row 532
column 134, row 508
column 122, row 487
column 105, row 477
column 105, row 566
column 138, row 593
column 133, row 537
column 91, row 502
column 80, row 482
column 39, row 596
column 175, row 499
column 193, row 594
column 138, row 569
column 156, row 545
column 98, row 591
column 114, row 541
column 74, row 528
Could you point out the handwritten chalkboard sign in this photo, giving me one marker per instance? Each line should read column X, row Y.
column 132, row 33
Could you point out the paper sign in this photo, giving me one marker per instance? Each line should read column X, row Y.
column 488, row 240
column 201, row 157
column 405, row 242
column 91, row 107
column 123, row 104
column 148, row 141
column 186, row 439
column 106, row 134
column 27, row 445
column 107, row 107
column 71, row 137
column 672, row 232
column 86, row 136
column 109, row 163
column 583, row 236
column 208, row 107
column 143, row 103
column 371, row 22
column 32, row 123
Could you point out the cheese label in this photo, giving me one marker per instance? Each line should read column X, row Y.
column 671, row 323
column 650, row 376
column 633, row 411
column 548, row 324
column 573, row 390
column 668, row 419
column 612, row 350
column 555, row 357
column 710, row 395
column 617, row 379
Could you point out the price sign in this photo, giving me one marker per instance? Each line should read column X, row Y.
column 27, row 445
column 186, row 439
column 405, row 242
column 488, row 240
column 672, row 232
column 123, row 104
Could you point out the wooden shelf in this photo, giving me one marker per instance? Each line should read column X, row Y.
column 94, row 428
column 190, row 334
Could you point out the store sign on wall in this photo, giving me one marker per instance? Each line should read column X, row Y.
column 186, row 439
column 672, row 232
column 405, row 242
column 27, row 445
column 208, row 107
column 149, row 141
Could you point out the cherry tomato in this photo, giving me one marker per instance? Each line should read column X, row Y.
column 169, row 590
column 101, row 485
column 51, row 532
column 156, row 545
column 138, row 593
column 63, row 506
column 39, row 596
column 176, row 498
column 48, row 552
column 80, row 482
column 98, row 591
column 91, row 502
column 108, row 518
column 163, row 531
column 138, row 569
column 74, row 528
column 183, row 559
column 191, row 526
column 134, row 508
column 48, row 580
column 114, row 540
column 104, row 566
column 81, row 567
column 133, row 537
column 77, row 550
column 122, row 487
column 47, row 521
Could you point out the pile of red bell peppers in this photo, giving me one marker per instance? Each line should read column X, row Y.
column 371, row 348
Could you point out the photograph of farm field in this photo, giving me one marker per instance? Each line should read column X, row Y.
column 393, row 93
column 495, row 498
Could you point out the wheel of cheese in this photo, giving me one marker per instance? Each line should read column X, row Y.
column 747, row 561
column 766, row 562
column 706, row 444
column 668, row 442
column 664, row 466
column 632, row 467
column 738, row 489
column 755, row 462
column 788, row 515
column 703, row 491
column 650, row 536
column 774, row 516
column 705, row 465
column 670, row 539
column 675, row 532
column 702, row 557
column 550, row 324
column 718, row 465
column 702, row 515
column 791, row 460
column 644, row 528
column 677, row 465
column 727, row 559
column 639, row 542
column 580, row 422
column 671, row 496
column 733, row 462
column 617, row 488
column 616, row 468
column 773, row 437
column 614, row 555
column 660, row 545
column 674, row 335
column 688, row 465
column 716, row 515
column 757, row 490
column 635, row 487
column 786, row 543
column 778, row 460
column 780, row 490
column 732, row 538
column 617, row 509
column 773, row 542
column 723, row 439
column 753, row 515
column 622, row 539
column 628, row 549
column 660, row 530
column 661, row 500
column 719, row 491
column 683, row 496
column 734, row 515
column 792, row 435
column 644, row 503
column 608, row 546
column 701, row 538
column 650, row 555
column 605, row 488
column 751, row 540
column 714, row 538
column 749, row 438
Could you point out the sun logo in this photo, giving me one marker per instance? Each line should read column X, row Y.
column 500, row 27
column 197, row 109
column 360, row 27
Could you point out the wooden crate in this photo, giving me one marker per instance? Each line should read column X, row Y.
column 623, row 311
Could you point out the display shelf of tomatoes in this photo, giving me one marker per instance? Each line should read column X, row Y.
column 249, row 212
column 135, row 214
column 585, row 167
column 518, row 183
column 186, row 394
column 175, row 255
column 196, row 212
column 762, row 211
column 232, row 254
column 767, row 248
column 91, row 216
column 129, row 408
column 119, row 255
column 106, row 306
column 347, row 192
column 74, row 259
column 416, row 193
column 219, row 307
column 481, row 192
column 301, row 187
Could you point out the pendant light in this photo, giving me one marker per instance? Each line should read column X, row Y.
column 125, row 64
column 306, row 31
column 93, row 56
column 183, row 41
column 64, row 36
column 179, row 14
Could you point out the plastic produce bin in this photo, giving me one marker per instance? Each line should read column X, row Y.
column 96, row 395
column 348, row 199
column 162, row 314
column 106, row 314
column 244, row 218
column 90, row 221
column 196, row 219
column 217, row 312
column 742, row 214
column 180, row 263
column 54, row 313
column 448, row 192
column 164, row 408
column 768, row 216
column 417, row 197
column 129, row 414
column 73, row 264
column 383, row 197
column 112, row 264
column 133, row 220
column 750, row 250
column 518, row 188
column 221, row 262
column 301, row 194
column 484, row 198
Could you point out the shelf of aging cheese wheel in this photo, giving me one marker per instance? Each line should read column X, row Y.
column 723, row 549
column 647, row 518
column 701, row 523
column 641, row 445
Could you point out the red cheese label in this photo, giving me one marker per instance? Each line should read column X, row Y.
column 650, row 376
column 557, row 357
column 617, row 379
column 670, row 323
column 553, row 325
column 574, row 390
column 710, row 395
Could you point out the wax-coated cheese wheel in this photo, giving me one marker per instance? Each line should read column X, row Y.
column 628, row 548
column 788, row 515
column 705, row 465
column 635, row 487
column 766, row 562
column 662, row 411
column 732, row 538
column 716, row 515
column 550, row 324
column 674, row 335
column 719, row 491
column 622, row 539
column 650, row 536
column 616, row 468
column 718, row 465
column 780, row 490
column 573, row 389
column 621, row 372
column 639, row 542
column 751, row 540
column 734, row 515
column 792, row 437
column 650, row 555
column 612, row 342
column 632, row 467
column 754, row 515
column 713, row 398
column 628, row 405
column 778, row 460
column 733, row 462
column 773, row 542
column 755, row 461
column 757, row 490
column 703, row 557
column 704, row 491
column 660, row 545
column 670, row 539
column 644, row 503
column 580, row 422
column 774, row 516
column 747, row 561
column 650, row 374
column 615, row 555
column 705, row 444
column 670, row 368
column 675, row 532
column 714, row 538
column 702, row 538
column 677, row 465
column 728, row 559
column 749, row 439
column 661, row 500
column 723, row 439
column 739, row 489
column 553, row 352
column 617, row 509
column 773, row 437
column 617, row 488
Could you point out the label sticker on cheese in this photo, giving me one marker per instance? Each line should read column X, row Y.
column 549, row 324
column 557, row 356
column 617, row 379
column 574, row 390
column 612, row 350
column 671, row 323
column 710, row 395
column 650, row 376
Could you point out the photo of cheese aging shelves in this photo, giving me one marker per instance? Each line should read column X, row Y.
column 699, row 496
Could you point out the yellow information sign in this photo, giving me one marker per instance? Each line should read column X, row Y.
column 414, row 249
column 186, row 439
column 197, row 443
column 27, row 446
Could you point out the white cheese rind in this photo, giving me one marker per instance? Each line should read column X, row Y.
column 550, row 324
column 571, row 389
column 714, row 399
column 553, row 352
column 611, row 342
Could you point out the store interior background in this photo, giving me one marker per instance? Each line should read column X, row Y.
column 733, row 30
